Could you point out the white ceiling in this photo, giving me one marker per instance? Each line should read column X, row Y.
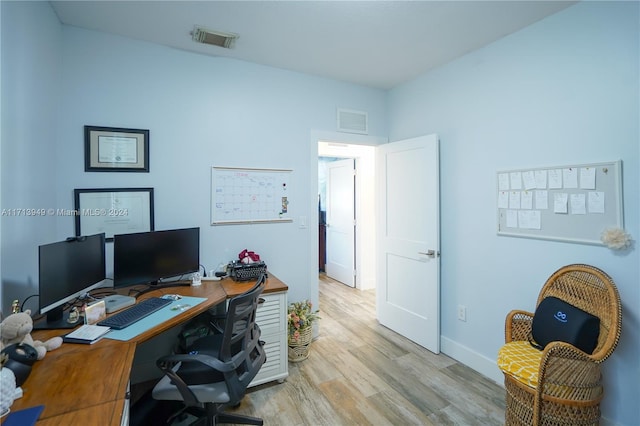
column 374, row 43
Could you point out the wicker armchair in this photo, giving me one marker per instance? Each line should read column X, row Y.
column 565, row 387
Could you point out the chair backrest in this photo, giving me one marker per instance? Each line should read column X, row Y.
column 593, row 291
column 241, row 340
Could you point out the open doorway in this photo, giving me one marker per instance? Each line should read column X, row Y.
column 359, row 250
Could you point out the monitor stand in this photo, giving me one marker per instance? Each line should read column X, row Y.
column 54, row 322
column 116, row 302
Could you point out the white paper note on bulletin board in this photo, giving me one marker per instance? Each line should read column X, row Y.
column 572, row 203
column 241, row 195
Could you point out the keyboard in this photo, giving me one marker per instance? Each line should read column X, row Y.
column 135, row 313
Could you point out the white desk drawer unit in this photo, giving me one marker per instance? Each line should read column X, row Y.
column 271, row 316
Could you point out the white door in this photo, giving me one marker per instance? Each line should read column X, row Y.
column 408, row 294
column 340, row 261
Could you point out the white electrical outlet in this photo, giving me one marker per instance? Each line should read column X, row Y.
column 462, row 312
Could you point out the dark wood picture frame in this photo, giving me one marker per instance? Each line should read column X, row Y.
column 113, row 149
column 113, row 211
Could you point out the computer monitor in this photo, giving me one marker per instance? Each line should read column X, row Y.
column 67, row 270
column 151, row 257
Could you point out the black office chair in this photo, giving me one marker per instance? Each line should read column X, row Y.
column 216, row 371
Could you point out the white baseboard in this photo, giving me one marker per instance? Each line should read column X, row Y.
column 480, row 363
column 606, row 422
column 367, row 284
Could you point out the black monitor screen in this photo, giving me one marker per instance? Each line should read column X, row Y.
column 68, row 269
column 150, row 257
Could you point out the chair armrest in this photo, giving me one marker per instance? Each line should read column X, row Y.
column 568, row 373
column 517, row 325
column 207, row 360
column 170, row 365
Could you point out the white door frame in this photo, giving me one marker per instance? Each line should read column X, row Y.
column 364, row 156
column 315, row 137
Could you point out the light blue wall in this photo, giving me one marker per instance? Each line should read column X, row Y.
column 201, row 111
column 31, row 58
column 562, row 91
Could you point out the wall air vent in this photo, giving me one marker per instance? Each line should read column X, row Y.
column 351, row 121
column 214, row 38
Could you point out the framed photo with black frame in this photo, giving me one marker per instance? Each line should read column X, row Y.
column 112, row 149
column 113, row 211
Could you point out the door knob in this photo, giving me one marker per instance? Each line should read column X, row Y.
column 430, row 253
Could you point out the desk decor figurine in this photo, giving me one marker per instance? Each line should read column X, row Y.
column 300, row 318
column 196, row 279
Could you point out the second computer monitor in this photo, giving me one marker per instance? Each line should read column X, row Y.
column 150, row 257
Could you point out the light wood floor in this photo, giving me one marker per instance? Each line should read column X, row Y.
column 360, row 373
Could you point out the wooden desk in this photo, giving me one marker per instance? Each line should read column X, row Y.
column 87, row 384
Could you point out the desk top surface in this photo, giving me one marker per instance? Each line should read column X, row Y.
column 78, row 384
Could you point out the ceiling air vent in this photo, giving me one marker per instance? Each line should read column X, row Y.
column 351, row 121
column 214, row 38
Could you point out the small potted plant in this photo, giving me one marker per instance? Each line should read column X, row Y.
column 300, row 317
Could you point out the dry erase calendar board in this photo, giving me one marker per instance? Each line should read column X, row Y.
column 573, row 203
column 249, row 195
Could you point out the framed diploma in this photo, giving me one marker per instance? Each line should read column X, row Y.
column 113, row 211
column 111, row 149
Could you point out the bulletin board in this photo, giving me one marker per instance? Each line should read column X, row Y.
column 240, row 195
column 573, row 203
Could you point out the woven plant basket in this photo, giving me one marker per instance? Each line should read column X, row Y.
column 299, row 349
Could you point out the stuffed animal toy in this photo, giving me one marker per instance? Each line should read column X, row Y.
column 16, row 328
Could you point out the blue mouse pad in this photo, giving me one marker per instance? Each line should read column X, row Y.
column 26, row 417
column 175, row 308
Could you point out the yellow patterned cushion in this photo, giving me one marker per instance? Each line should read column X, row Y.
column 520, row 360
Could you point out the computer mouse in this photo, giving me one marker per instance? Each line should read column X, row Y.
column 172, row 296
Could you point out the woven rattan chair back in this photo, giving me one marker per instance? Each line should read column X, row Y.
column 593, row 291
